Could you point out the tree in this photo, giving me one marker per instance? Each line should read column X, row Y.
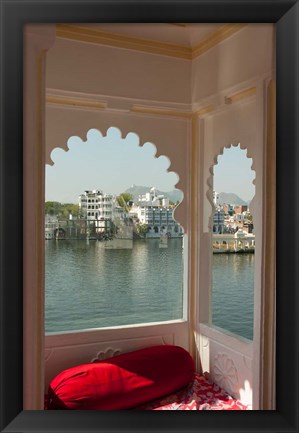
column 248, row 216
column 52, row 208
column 123, row 199
column 142, row 229
column 62, row 210
column 69, row 208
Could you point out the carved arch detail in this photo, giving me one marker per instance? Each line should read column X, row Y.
column 209, row 194
column 123, row 134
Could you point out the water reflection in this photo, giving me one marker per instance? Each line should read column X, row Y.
column 92, row 285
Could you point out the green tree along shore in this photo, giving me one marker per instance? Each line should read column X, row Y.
column 62, row 210
column 123, row 200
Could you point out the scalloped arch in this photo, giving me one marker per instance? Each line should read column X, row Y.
column 234, row 143
column 103, row 133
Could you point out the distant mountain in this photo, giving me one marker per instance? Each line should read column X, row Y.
column 230, row 198
column 177, row 195
column 136, row 190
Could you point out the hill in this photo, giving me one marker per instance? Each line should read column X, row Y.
column 136, row 190
column 231, row 198
column 177, row 195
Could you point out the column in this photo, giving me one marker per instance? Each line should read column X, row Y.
column 37, row 40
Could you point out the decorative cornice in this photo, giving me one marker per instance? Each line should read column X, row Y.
column 83, row 34
column 93, row 104
column 172, row 113
column 215, row 38
column 205, row 110
column 75, row 102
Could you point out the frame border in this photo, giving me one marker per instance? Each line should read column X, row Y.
column 14, row 14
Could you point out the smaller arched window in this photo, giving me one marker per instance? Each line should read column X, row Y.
column 233, row 240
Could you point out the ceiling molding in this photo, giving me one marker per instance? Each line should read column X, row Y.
column 75, row 102
column 173, row 113
column 215, row 38
column 80, row 33
column 205, row 110
column 83, row 34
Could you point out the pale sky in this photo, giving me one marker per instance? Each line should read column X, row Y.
column 113, row 164
column 233, row 173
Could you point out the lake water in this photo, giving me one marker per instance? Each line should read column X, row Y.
column 232, row 293
column 90, row 286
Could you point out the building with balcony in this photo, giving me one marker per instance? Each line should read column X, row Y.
column 218, row 220
column 96, row 205
column 154, row 211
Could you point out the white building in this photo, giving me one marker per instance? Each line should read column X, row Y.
column 96, row 205
column 154, row 210
column 51, row 223
column 215, row 198
column 218, row 220
column 151, row 198
column 240, row 217
column 101, row 208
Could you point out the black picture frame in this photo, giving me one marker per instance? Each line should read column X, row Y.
column 14, row 14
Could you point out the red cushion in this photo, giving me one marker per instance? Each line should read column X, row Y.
column 124, row 381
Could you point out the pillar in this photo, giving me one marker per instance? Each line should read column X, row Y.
column 37, row 40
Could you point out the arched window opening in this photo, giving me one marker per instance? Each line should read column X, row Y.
column 233, row 243
column 111, row 268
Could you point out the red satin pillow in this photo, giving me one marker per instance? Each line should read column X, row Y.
column 124, row 381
